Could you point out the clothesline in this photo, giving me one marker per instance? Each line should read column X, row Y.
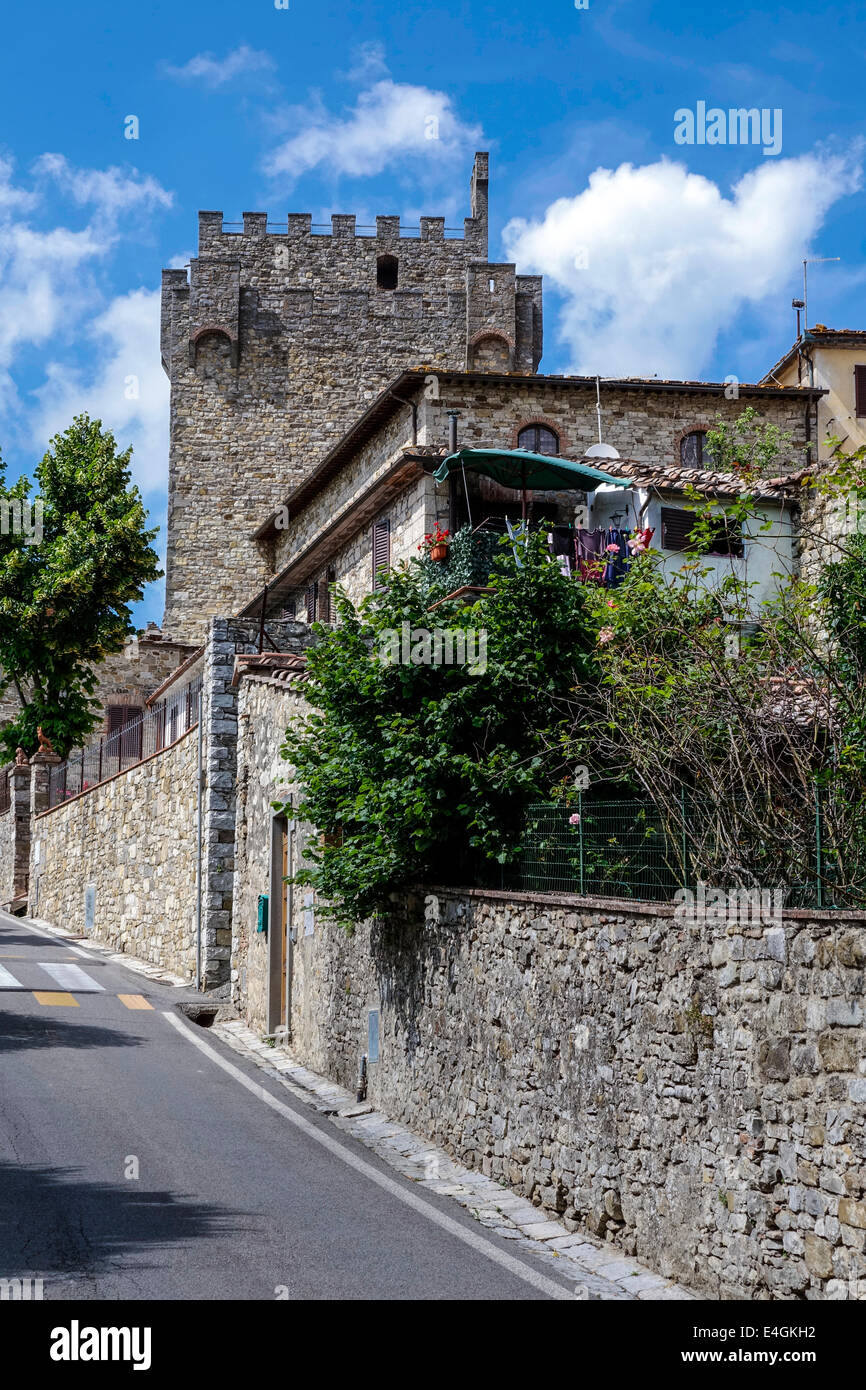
column 602, row 556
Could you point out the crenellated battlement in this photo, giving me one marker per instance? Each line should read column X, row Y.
column 277, row 340
column 342, row 224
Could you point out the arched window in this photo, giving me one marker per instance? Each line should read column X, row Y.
column 538, row 439
column 386, row 272
column 694, row 451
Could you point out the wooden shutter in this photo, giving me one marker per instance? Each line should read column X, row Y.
column 125, row 730
column 310, row 598
column 326, row 597
column 860, row 390
column 324, row 603
column 116, row 719
column 676, row 528
column 381, row 552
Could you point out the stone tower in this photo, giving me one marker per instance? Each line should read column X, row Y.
column 279, row 340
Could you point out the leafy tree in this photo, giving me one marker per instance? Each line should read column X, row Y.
column 746, row 722
column 419, row 772
column 65, row 594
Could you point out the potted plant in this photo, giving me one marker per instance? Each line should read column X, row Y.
column 437, row 543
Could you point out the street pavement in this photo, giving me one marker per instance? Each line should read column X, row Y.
column 142, row 1158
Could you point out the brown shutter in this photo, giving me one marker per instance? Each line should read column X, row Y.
column 116, row 719
column 676, row 528
column 381, row 552
column 860, row 391
column 310, row 597
column 326, row 597
column 125, row 731
column 324, row 603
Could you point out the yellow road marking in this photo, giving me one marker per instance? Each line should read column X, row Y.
column 134, row 1001
column 55, row 1000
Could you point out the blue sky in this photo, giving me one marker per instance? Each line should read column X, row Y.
column 658, row 257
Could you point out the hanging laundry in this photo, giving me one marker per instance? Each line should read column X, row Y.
column 617, row 556
column 561, row 539
column 589, row 553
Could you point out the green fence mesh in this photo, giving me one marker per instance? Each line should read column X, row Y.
column 624, row 849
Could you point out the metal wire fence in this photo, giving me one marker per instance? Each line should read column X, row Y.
column 625, row 849
column 139, row 739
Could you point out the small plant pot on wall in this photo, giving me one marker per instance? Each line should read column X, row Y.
column 436, row 544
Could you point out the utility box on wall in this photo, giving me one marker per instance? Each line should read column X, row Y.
column 262, row 914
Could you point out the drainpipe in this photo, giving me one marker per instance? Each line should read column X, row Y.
column 452, row 431
column 413, row 406
column 198, row 893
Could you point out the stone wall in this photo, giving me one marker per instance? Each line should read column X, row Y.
column 131, row 676
column 227, row 638
column 696, row 1095
column 15, row 837
column 644, row 421
column 278, row 341
column 265, row 712
column 411, row 515
column 132, row 841
column 693, row 1092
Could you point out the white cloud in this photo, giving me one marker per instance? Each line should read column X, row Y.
column 127, row 390
column 49, row 281
column 216, row 72
column 109, row 192
column 654, row 262
column 389, row 121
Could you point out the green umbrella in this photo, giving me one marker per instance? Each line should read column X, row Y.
column 518, row 468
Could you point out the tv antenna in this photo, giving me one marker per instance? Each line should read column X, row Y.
column 600, row 450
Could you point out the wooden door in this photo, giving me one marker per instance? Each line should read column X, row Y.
column 284, row 924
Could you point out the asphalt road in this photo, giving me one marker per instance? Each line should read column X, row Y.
column 233, row 1199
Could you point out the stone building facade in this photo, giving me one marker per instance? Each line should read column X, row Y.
column 277, row 341
column 380, row 472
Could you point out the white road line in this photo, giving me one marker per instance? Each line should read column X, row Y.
column 73, row 978
column 476, row 1242
column 77, row 951
column 7, row 981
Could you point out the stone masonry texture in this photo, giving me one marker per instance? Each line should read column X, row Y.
column 133, row 839
column 693, row 1093
column 280, row 339
column 697, row 1097
column 15, row 837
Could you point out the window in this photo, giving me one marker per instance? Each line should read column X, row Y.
column 381, row 553
column 726, row 537
column 694, row 452
column 386, row 272
column 860, row 390
column 538, row 439
column 125, row 730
